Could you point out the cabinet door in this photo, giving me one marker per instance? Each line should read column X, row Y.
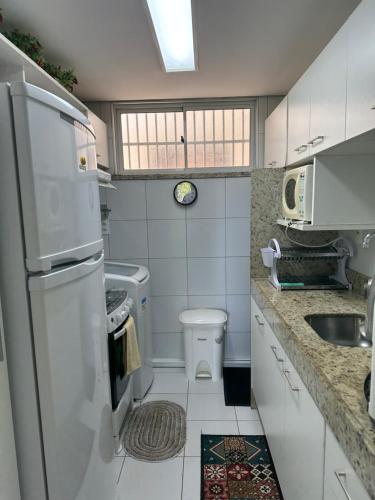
column 276, row 136
column 101, row 139
column 340, row 480
column 271, row 407
column 299, row 119
column 257, row 352
column 361, row 70
column 328, row 95
column 301, row 471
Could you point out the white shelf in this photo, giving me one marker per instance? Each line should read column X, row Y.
column 14, row 61
column 312, row 227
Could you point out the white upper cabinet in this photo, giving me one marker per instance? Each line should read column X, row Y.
column 299, row 119
column 101, row 139
column 276, row 136
column 328, row 95
column 361, row 70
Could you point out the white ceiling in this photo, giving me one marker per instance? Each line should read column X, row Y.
column 245, row 47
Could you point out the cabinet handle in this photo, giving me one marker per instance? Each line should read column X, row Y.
column 202, row 339
column 340, row 474
column 274, row 350
column 272, row 163
column 301, row 148
column 317, row 140
column 260, row 323
column 373, row 107
column 293, row 387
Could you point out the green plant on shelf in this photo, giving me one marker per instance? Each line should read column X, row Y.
column 30, row 45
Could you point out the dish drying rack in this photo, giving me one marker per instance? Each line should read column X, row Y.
column 339, row 251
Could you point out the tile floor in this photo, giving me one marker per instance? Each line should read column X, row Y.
column 179, row 477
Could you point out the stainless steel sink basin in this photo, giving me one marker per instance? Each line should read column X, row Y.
column 340, row 329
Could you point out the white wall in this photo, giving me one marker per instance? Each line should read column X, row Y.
column 198, row 256
column 364, row 258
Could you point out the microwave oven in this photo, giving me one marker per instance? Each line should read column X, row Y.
column 333, row 192
column 297, row 193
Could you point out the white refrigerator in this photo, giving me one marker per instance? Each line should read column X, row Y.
column 52, row 285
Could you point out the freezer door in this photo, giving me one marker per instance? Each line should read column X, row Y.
column 68, row 315
column 58, row 179
column 8, row 462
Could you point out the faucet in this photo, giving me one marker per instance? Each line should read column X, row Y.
column 370, row 294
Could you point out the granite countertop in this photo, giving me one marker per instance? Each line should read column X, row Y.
column 334, row 375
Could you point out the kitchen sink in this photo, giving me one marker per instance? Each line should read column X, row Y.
column 340, row 329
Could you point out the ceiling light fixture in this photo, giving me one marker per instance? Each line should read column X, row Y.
column 173, row 25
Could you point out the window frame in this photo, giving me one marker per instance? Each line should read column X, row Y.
column 183, row 106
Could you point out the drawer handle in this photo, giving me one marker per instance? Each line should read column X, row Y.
column 274, row 350
column 260, row 323
column 301, row 148
column 294, row 388
column 272, row 163
column 317, row 140
column 202, row 339
column 373, row 107
column 341, row 475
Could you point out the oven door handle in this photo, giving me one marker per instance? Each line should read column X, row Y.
column 119, row 334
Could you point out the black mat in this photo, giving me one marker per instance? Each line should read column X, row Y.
column 236, row 386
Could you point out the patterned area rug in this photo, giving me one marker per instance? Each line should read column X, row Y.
column 237, row 468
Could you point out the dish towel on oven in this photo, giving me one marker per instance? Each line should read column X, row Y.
column 131, row 350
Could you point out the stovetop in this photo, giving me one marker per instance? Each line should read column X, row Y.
column 114, row 298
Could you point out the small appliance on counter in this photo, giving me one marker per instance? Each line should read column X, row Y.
column 290, row 266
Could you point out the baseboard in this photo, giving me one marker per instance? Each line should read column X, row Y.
column 180, row 363
column 168, row 363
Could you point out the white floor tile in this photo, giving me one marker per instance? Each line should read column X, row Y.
column 209, row 407
column 250, row 428
column 246, row 413
column 180, row 399
column 206, row 387
column 143, row 480
column 197, row 427
column 169, row 383
column 192, row 478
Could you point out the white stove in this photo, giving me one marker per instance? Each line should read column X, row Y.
column 118, row 307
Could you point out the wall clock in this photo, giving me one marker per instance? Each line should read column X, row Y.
column 185, row 193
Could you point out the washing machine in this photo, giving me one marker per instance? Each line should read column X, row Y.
column 136, row 281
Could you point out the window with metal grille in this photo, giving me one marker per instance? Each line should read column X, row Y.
column 185, row 137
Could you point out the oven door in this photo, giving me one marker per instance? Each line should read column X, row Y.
column 117, row 363
column 290, row 194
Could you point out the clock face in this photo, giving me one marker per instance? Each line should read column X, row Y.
column 185, row 193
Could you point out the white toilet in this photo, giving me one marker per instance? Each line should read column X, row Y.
column 204, row 342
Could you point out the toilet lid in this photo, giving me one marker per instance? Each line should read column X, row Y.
column 203, row 317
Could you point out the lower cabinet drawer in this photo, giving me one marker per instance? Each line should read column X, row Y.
column 340, row 480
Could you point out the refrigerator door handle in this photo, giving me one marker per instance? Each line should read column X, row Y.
column 66, row 274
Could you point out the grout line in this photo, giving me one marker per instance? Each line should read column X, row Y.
column 122, row 468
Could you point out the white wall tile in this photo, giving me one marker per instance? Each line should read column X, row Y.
column 136, row 262
column 166, row 238
column 211, row 200
column 106, row 246
column 168, row 345
column 238, row 307
column 128, row 201
column 168, row 276
column 237, row 197
column 238, row 237
column 128, row 239
column 206, row 276
column 160, row 201
column 237, row 346
column 165, row 312
column 238, row 275
column 209, row 301
column 206, row 238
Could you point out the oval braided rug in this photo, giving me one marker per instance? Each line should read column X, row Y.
column 155, row 431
